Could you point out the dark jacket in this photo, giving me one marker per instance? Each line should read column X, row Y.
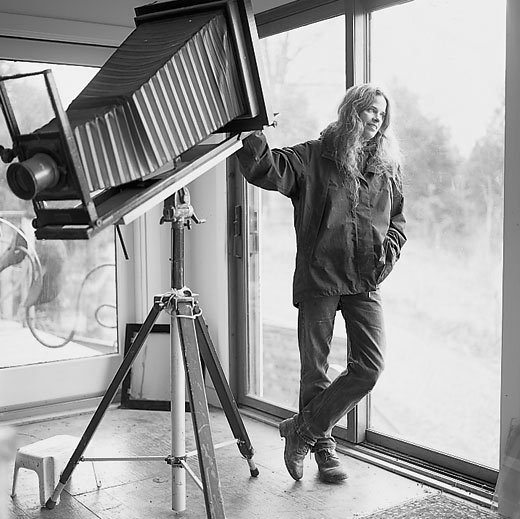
column 342, row 249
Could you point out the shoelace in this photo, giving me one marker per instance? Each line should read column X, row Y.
column 327, row 454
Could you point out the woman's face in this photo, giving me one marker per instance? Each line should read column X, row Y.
column 373, row 117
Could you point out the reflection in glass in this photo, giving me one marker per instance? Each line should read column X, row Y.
column 57, row 298
column 441, row 386
column 305, row 71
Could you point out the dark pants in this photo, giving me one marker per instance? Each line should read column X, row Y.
column 322, row 402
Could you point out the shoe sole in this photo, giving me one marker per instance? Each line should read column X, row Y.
column 334, row 479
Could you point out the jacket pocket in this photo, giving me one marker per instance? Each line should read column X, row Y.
column 386, row 262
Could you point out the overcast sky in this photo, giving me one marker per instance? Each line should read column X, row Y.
column 451, row 53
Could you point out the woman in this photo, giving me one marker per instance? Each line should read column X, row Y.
column 346, row 190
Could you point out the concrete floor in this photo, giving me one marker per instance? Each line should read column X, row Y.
column 142, row 489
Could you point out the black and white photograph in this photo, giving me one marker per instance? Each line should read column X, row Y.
column 260, row 258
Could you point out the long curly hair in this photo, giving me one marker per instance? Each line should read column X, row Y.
column 351, row 150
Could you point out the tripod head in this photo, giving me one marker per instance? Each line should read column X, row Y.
column 177, row 208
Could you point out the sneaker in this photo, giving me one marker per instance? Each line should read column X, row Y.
column 295, row 448
column 329, row 466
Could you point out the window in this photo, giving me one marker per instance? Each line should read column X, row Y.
column 305, row 71
column 443, row 63
column 57, row 298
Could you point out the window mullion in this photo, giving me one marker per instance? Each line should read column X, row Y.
column 357, row 48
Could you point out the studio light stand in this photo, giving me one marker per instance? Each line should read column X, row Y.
column 186, row 376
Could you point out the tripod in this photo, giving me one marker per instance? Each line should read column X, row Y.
column 186, row 373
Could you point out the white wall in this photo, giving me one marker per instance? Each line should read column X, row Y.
column 207, row 273
column 206, row 261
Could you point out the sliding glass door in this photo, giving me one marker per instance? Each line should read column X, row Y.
column 305, row 75
column 442, row 61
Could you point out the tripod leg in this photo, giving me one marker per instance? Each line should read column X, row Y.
column 105, row 402
column 199, row 411
column 212, row 363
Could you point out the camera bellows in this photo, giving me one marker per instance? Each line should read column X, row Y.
column 172, row 83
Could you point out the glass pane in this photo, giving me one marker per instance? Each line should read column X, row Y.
column 28, row 95
column 305, row 68
column 57, row 298
column 441, row 386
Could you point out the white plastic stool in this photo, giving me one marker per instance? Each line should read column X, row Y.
column 47, row 458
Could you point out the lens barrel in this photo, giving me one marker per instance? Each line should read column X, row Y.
column 32, row 176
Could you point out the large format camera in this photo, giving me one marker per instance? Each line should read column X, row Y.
column 144, row 126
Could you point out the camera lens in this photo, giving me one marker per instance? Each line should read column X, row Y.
column 32, row 176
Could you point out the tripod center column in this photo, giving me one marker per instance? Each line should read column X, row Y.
column 177, row 373
column 178, row 424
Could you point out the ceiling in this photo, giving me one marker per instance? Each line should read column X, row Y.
column 113, row 12
column 71, row 31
